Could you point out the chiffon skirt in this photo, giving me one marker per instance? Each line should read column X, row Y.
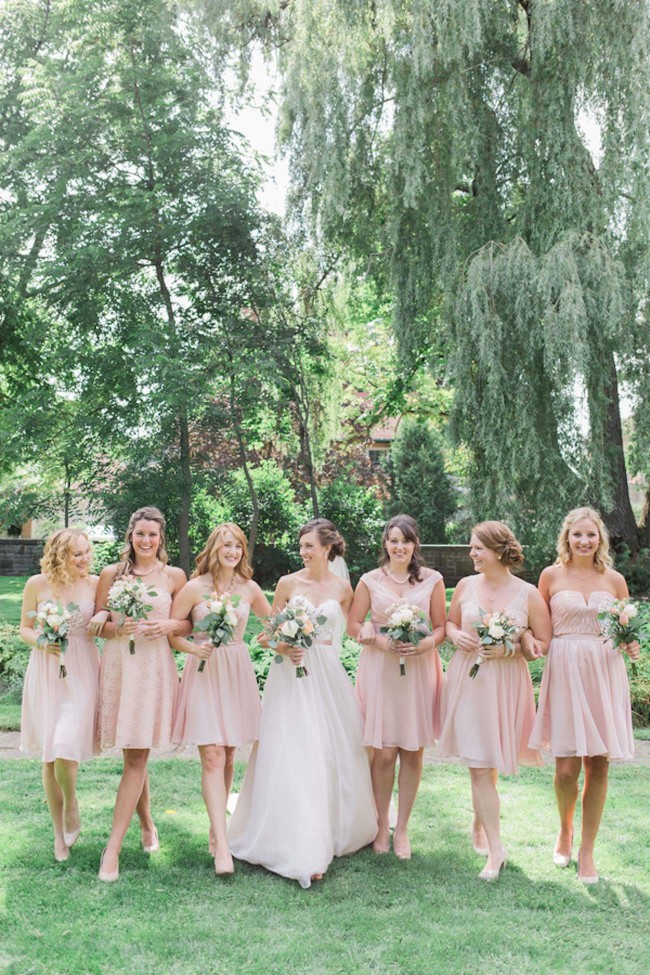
column 584, row 700
column 221, row 705
column 487, row 720
column 59, row 714
column 307, row 795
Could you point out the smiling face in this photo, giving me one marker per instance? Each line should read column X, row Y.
column 311, row 550
column 484, row 558
column 79, row 556
column 584, row 538
column 145, row 538
column 230, row 552
column 399, row 549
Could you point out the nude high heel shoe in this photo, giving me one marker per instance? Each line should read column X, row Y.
column 493, row 873
column 561, row 859
column 586, row 878
column 107, row 876
column 154, row 846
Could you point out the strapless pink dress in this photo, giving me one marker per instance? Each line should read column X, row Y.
column 399, row 711
column 138, row 691
column 58, row 718
column 221, row 705
column 584, row 701
column 487, row 719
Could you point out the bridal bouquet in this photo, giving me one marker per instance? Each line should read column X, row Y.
column 128, row 597
column 297, row 624
column 52, row 622
column 406, row 623
column 494, row 629
column 621, row 623
column 220, row 621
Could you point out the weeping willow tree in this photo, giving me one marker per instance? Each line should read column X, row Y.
column 447, row 144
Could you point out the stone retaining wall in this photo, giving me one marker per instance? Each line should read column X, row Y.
column 20, row 556
column 452, row 560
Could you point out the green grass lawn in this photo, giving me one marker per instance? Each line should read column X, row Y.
column 169, row 915
column 11, row 597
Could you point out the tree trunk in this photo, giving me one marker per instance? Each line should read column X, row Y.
column 644, row 527
column 185, row 495
column 255, row 520
column 619, row 518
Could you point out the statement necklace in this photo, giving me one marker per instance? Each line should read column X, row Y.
column 229, row 588
column 143, row 575
column 400, row 582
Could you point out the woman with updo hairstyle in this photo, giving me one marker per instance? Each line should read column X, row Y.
column 307, row 794
column 137, row 690
column 398, row 685
column 219, row 707
column 59, row 712
column 584, row 715
column 487, row 719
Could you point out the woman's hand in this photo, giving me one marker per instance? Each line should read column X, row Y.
column 401, row 649
column 466, row 642
column 155, row 629
column 367, row 635
column 203, row 649
column 531, row 648
column 492, row 651
column 127, row 627
column 96, row 623
column 53, row 648
column 295, row 654
column 631, row 649
column 426, row 644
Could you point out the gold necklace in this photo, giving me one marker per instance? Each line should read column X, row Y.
column 143, row 575
column 229, row 588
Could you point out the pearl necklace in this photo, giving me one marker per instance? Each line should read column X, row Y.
column 400, row 582
column 143, row 575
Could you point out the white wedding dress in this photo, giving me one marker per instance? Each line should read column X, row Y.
column 307, row 794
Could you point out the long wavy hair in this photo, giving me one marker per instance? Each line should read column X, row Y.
column 56, row 562
column 602, row 558
column 409, row 529
column 207, row 561
column 127, row 555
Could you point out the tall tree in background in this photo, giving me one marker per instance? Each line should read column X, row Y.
column 130, row 221
column 445, row 144
column 422, row 487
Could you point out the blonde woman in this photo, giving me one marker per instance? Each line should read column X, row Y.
column 584, row 715
column 58, row 714
column 219, row 707
column 137, row 690
column 487, row 720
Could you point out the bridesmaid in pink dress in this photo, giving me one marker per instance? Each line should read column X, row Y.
column 59, row 713
column 219, row 708
column 487, row 719
column 401, row 712
column 584, row 714
column 137, row 691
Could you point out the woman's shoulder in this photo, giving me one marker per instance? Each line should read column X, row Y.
column 176, row 574
column 109, row 572
column 372, row 576
column 430, row 575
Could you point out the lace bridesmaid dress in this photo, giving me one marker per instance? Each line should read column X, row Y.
column 59, row 714
column 584, row 701
column 399, row 711
column 307, row 795
column 138, row 691
column 487, row 720
column 221, row 705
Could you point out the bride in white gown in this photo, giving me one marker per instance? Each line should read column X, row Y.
column 307, row 794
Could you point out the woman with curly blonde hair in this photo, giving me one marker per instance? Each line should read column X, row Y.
column 218, row 707
column 584, row 714
column 59, row 713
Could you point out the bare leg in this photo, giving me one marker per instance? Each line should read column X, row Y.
column 128, row 797
column 382, row 771
column 65, row 773
column 229, row 773
column 143, row 809
column 54, row 797
column 479, row 839
column 486, row 802
column 593, row 803
column 408, row 783
column 567, row 773
column 213, row 783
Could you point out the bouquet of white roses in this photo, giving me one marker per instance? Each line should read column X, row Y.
column 297, row 624
column 52, row 622
column 128, row 597
column 406, row 623
column 621, row 624
column 220, row 621
column 494, row 629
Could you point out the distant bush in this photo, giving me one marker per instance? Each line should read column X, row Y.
column 636, row 569
column 14, row 657
column 357, row 513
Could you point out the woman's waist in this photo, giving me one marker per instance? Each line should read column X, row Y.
column 570, row 636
